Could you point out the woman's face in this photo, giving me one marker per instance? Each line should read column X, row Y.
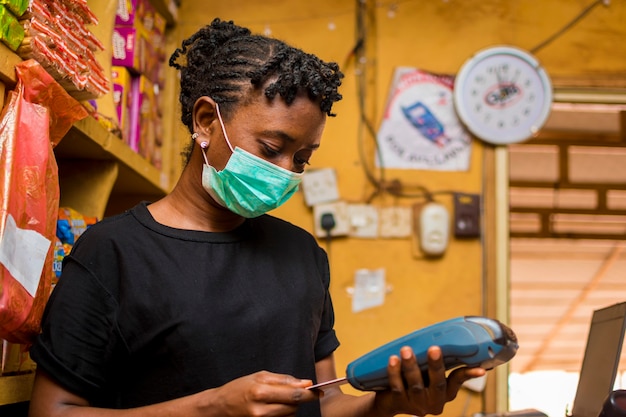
column 285, row 135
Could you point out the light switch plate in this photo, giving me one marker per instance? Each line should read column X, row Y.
column 363, row 220
column 320, row 186
column 396, row 222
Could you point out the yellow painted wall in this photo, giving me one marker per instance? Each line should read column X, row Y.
column 438, row 36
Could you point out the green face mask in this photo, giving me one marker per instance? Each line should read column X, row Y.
column 248, row 185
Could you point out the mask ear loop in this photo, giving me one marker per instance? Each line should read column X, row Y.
column 219, row 117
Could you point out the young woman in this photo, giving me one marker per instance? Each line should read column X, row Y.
column 200, row 304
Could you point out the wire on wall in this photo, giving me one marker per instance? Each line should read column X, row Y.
column 382, row 186
column 361, row 63
column 569, row 25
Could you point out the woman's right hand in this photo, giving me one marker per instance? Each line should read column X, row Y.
column 260, row 394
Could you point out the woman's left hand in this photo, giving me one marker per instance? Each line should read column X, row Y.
column 408, row 393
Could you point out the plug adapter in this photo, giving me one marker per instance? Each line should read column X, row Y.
column 327, row 222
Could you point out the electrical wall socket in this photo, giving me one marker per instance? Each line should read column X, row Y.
column 396, row 222
column 341, row 216
column 363, row 220
column 319, row 186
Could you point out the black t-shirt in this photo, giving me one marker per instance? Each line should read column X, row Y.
column 144, row 313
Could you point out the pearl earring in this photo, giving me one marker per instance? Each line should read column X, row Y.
column 204, row 144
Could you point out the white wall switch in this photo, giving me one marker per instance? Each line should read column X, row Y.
column 363, row 220
column 319, row 186
column 395, row 222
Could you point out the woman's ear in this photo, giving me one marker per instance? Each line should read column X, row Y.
column 204, row 113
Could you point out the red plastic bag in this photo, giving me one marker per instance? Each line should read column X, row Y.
column 29, row 197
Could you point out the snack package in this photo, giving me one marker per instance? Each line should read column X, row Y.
column 121, row 80
column 139, row 40
column 142, row 100
column 56, row 35
column 11, row 31
column 57, row 261
column 129, row 12
column 134, row 48
column 17, row 7
column 71, row 224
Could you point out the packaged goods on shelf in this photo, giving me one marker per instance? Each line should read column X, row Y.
column 70, row 225
column 145, row 121
column 126, row 12
column 60, row 250
column 139, row 39
column 132, row 48
column 139, row 50
column 109, row 123
column 121, row 80
column 17, row 7
column 130, row 11
column 56, row 35
column 11, row 31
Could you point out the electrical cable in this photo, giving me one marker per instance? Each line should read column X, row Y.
column 327, row 223
column 381, row 186
column 361, row 88
column 568, row 26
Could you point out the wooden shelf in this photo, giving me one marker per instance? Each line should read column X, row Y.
column 87, row 139
column 16, row 388
column 100, row 175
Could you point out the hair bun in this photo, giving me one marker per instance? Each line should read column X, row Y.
column 223, row 31
column 206, row 42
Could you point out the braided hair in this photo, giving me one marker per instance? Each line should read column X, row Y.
column 222, row 60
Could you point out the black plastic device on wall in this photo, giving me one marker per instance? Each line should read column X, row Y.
column 466, row 215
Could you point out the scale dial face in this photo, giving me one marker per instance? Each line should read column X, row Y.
column 502, row 95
